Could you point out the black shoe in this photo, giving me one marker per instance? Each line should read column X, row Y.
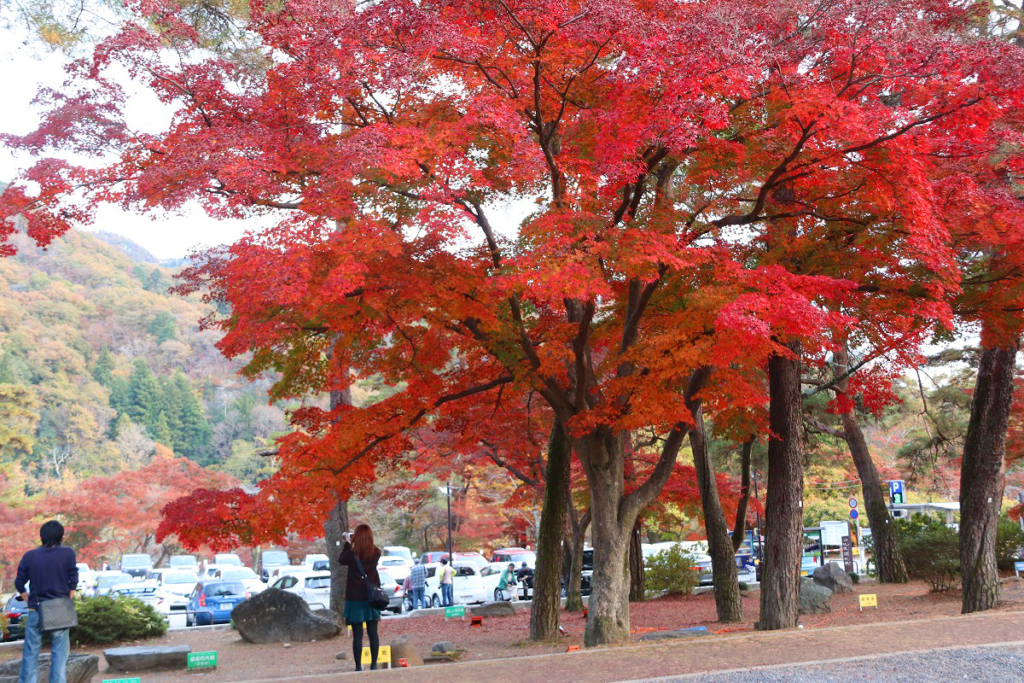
column 373, row 667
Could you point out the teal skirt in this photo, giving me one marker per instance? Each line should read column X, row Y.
column 359, row 612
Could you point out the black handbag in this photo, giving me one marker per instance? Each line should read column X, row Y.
column 57, row 614
column 376, row 596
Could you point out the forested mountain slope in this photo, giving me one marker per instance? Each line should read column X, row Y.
column 98, row 361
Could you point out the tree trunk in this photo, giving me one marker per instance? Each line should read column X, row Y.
column 637, row 588
column 784, row 510
column 574, row 579
column 336, row 524
column 981, row 476
column 739, row 531
column 887, row 556
column 608, row 610
column 546, row 589
column 723, row 562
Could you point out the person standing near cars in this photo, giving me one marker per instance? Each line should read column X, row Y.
column 359, row 551
column 418, row 576
column 447, row 589
column 51, row 572
column 507, row 578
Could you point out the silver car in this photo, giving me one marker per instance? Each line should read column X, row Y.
column 393, row 589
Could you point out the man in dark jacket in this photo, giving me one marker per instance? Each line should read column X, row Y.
column 49, row 572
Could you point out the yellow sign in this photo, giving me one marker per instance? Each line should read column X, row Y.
column 383, row 655
column 868, row 600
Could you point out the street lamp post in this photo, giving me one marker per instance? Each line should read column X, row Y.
column 447, row 491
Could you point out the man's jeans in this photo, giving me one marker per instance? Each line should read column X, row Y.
column 419, row 598
column 60, row 644
column 447, row 595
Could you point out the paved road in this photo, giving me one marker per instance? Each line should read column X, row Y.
column 993, row 663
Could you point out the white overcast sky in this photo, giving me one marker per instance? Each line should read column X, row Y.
column 24, row 68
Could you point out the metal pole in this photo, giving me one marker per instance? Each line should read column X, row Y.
column 451, row 557
column 757, row 515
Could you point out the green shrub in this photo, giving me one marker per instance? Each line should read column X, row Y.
column 744, row 586
column 672, row 571
column 1009, row 543
column 3, row 624
column 931, row 551
column 855, row 577
column 104, row 620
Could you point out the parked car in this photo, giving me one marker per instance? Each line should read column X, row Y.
column 148, row 593
column 467, row 585
column 175, row 586
column 396, row 565
column 270, row 559
column 471, row 558
column 278, row 572
column 587, row 573
column 393, row 589
column 188, row 562
column 211, row 602
column 313, row 587
column 432, row 557
column 431, row 570
column 137, row 565
column 15, row 609
column 516, row 556
column 228, row 559
column 107, row 580
column 490, row 576
column 396, row 551
column 309, row 560
column 86, row 577
column 248, row 577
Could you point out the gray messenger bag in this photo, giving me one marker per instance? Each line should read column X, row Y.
column 57, row 614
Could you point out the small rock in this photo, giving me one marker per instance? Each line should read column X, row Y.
column 401, row 648
column 287, row 645
column 494, row 609
column 445, row 647
column 341, row 655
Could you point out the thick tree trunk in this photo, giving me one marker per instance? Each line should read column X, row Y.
column 574, row 577
column 546, row 589
column 981, row 476
column 608, row 610
column 637, row 587
column 887, row 556
column 739, row 531
column 784, row 510
column 723, row 563
column 336, row 524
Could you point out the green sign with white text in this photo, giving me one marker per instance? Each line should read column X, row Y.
column 456, row 611
column 202, row 660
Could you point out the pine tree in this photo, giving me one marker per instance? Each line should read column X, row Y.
column 103, row 370
column 161, row 432
column 145, row 400
column 163, row 327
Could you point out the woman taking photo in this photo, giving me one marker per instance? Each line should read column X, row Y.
column 359, row 546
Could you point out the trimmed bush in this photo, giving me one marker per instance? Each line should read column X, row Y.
column 672, row 571
column 1009, row 543
column 931, row 551
column 855, row 577
column 744, row 586
column 103, row 620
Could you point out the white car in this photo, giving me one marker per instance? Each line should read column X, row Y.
column 309, row 560
column 276, row 573
column 468, row 585
column 228, row 559
column 175, row 586
column 146, row 592
column 397, row 566
column 491, row 575
column 106, row 580
column 253, row 584
column 397, row 551
column 313, row 587
column 86, row 578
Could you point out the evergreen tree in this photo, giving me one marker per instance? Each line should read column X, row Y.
column 119, row 399
column 185, row 417
column 145, row 400
column 163, row 327
column 161, row 432
column 103, row 370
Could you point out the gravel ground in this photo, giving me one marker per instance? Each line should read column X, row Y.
column 982, row 664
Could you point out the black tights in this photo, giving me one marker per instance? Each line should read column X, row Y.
column 357, row 644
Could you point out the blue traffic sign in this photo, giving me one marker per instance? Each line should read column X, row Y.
column 854, row 514
column 853, row 502
column 897, row 493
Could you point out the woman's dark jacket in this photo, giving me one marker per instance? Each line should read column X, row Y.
column 355, row 587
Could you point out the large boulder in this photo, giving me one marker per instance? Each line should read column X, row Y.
column 141, row 658
column 401, row 648
column 493, row 609
column 834, row 578
column 275, row 616
column 81, row 668
column 814, row 599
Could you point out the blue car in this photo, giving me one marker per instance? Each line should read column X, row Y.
column 15, row 610
column 211, row 602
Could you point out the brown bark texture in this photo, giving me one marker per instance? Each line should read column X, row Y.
column 334, row 526
column 784, row 509
column 547, row 579
column 637, row 584
column 981, row 476
column 739, row 530
column 574, row 575
column 886, row 551
column 720, row 548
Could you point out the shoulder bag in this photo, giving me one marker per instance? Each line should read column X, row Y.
column 374, row 594
column 57, row 614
